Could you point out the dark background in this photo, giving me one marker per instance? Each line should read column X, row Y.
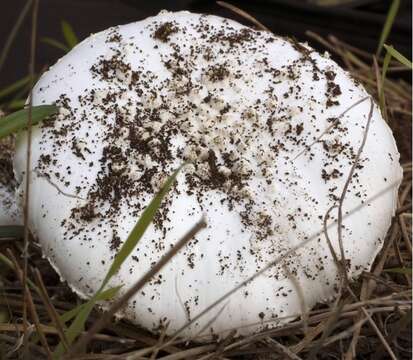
column 358, row 22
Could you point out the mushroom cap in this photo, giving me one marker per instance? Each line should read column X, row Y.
column 246, row 108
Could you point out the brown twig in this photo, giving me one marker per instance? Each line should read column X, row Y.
column 188, row 354
column 243, row 14
column 217, row 354
column 345, row 189
column 31, row 307
column 207, row 325
column 282, row 350
column 54, row 316
column 342, row 267
column 51, row 330
column 368, row 286
column 376, row 329
column 405, row 235
column 330, row 127
column 329, row 325
column 309, row 337
column 160, row 341
column 14, row 341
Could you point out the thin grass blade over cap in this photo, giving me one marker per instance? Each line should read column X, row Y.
column 19, row 120
column 128, row 246
column 144, row 221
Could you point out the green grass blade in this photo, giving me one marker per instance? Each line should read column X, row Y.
column 19, row 97
column 399, row 57
column 82, row 312
column 19, row 119
column 77, row 327
column 16, row 105
column 391, row 15
column 390, row 52
column 69, row 35
column 11, row 231
column 55, row 43
column 386, row 63
column 140, row 227
column 405, row 271
column 69, row 315
column 104, row 295
column 14, row 87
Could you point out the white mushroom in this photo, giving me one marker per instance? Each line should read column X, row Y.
column 252, row 108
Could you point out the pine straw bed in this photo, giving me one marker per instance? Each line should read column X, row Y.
column 370, row 320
